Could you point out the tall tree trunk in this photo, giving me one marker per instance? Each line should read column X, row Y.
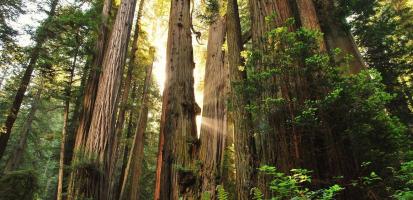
column 176, row 176
column 16, row 157
column 245, row 152
column 273, row 148
column 99, row 143
column 93, row 78
column 131, row 66
column 40, row 39
column 128, row 81
column 282, row 145
column 68, row 94
column 90, row 92
column 214, row 113
column 308, row 17
column 134, row 166
column 285, row 146
column 338, row 35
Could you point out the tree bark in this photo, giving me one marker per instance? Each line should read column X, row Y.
column 308, row 17
column 93, row 79
column 245, row 152
column 178, row 138
column 131, row 66
column 40, row 39
column 99, row 143
column 337, row 35
column 128, row 81
column 134, row 166
column 90, row 92
column 274, row 147
column 214, row 113
column 288, row 146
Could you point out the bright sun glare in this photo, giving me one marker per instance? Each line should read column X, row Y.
column 157, row 29
column 158, row 33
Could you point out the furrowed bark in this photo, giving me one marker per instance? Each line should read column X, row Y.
column 245, row 153
column 74, row 121
column 89, row 95
column 128, row 81
column 99, row 143
column 308, row 17
column 178, row 138
column 287, row 147
column 214, row 113
column 93, row 79
column 127, row 85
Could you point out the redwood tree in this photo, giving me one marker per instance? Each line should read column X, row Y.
column 176, row 176
column 214, row 113
column 88, row 181
column 280, row 143
column 245, row 152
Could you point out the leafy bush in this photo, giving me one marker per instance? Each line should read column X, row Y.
column 405, row 178
column 293, row 186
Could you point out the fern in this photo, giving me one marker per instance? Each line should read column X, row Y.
column 257, row 194
column 222, row 194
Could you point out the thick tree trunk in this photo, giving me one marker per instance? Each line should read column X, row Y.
column 16, row 157
column 93, row 79
column 65, row 127
column 127, row 85
column 131, row 66
column 338, row 35
column 40, row 39
column 90, row 92
column 99, row 143
column 276, row 147
column 245, row 152
column 285, row 146
column 134, row 166
column 214, row 113
column 178, row 138
column 308, row 18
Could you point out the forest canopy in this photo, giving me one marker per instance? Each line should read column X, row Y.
column 208, row 100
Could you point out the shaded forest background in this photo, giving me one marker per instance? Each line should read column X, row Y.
column 211, row 99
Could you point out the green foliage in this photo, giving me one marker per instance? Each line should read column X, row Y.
column 354, row 108
column 206, row 196
column 257, row 194
column 384, row 30
column 20, row 185
column 268, row 70
column 222, row 194
column 211, row 11
column 293, row 186
column 404, row 181
column 358, row 102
